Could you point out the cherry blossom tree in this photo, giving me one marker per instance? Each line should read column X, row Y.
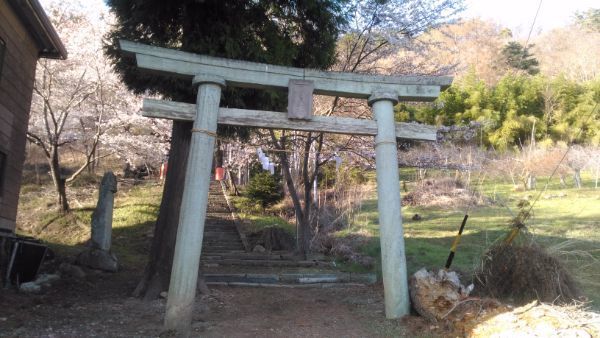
column 80, row 104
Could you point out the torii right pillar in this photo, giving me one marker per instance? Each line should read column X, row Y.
column 393, row 258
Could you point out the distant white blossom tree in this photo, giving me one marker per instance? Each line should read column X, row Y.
column 80, row 103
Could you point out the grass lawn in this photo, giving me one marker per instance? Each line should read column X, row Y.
column 136, row 208
column 565, row 221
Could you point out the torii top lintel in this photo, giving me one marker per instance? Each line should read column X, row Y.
column 259, row 75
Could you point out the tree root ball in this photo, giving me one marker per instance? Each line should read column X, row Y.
column 523, row 273
column 435, row 293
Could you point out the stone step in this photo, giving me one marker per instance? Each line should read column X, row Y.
column 224, row 230
column 210, row 228
column 219, row 222
column 234, row 245
column 219, row 232
column 223, row 237
column 222, row 234
column 217, row 240
column 216, row 252
column 224, row 218
column 223, row 245
column 281, row 255
column 291, row 278
column 219, row 225
column 268, row 263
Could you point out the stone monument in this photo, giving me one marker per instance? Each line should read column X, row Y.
column 98, row 256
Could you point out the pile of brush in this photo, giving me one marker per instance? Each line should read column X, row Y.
column 443, row 192
column 522, row 273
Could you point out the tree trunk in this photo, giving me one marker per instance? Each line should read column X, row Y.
column 301, row 218
column 59, row 182
column 305, row 225
column 38, row 179
column 232, row 186
column 563, row 184
column 530, row 182
column 63, row 204
column 158, row 270
column 577, row 177
column 218, row 159
column 95, row 159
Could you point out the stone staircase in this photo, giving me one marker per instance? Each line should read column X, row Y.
column 225, row 260
column 221, row 235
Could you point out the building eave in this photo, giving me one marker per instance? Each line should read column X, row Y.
column 35, row 19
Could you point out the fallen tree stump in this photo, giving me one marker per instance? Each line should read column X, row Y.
column 434, row 294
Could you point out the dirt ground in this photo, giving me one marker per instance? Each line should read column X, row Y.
column 100, row 305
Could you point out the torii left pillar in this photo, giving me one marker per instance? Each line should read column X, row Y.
column 192, row 214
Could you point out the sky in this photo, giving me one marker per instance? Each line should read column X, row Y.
column 517, row 15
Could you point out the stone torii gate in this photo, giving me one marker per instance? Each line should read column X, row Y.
column 211, row 74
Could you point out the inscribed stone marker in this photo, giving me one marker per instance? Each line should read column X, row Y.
column 98, row 256
column 103, row 214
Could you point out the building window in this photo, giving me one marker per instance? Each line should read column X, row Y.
column 2, row 172
column 2, row 52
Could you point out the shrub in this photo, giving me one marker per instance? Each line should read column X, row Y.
column 246, row 206
column 357, row 176
column 329, row 175
column 264, row 189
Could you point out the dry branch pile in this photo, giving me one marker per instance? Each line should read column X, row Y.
column 525, row 273
column 271, row 238
column 443, row 192
column 344, row 248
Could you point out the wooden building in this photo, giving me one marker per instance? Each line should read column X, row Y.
column 26, row 34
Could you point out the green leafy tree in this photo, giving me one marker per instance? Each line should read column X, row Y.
column 265, row 189
column 520, row 107
column 518, row 57
column 589, row 19
column 291, row 33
